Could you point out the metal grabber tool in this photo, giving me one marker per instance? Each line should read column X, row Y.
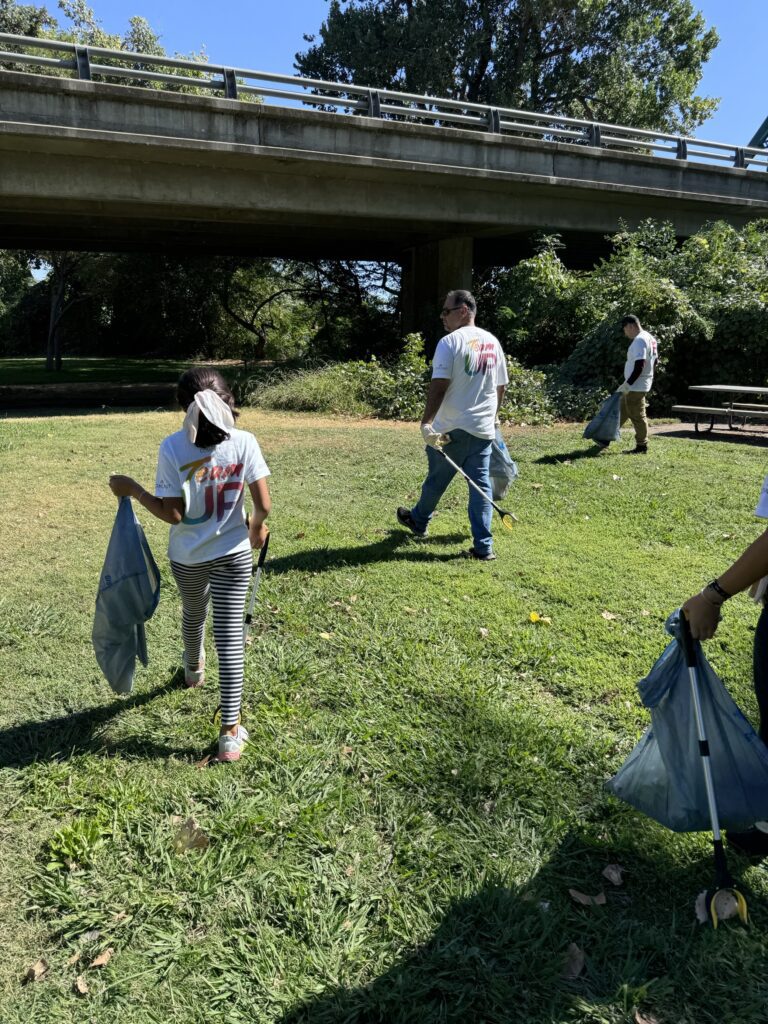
column 508, row 519
column 724, row 882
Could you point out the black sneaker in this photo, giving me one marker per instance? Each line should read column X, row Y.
column 640, row 449
column 487, row 557
column 602, row 445
column 405, row 519
column 752, row 843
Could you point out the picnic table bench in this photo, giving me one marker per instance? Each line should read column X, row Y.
column 728, row 410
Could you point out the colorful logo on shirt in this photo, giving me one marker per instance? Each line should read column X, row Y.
column 480, row 358
column 221, row 493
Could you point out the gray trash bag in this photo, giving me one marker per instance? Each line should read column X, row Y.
column 604, row 425
column 663, row 776
column 129, row 589
column 503, row 469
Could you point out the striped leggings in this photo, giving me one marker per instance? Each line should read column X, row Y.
column 224, row 580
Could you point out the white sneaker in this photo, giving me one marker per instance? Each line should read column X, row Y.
column 197, row 678
column 231, row 747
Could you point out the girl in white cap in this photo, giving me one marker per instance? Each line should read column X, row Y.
column 202, row 471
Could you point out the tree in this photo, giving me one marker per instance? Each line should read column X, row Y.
column 636, row 62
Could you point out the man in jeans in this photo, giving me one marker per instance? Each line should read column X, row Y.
column 638, row 373
column 469, row 376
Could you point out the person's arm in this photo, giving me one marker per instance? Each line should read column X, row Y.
column 169, row 510
column 703, row 609
column 262, row 506
column 636, row 371
column 500, row 389
column 435, row 395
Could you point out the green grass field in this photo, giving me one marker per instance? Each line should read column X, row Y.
column 93, row 371
column 425, row 781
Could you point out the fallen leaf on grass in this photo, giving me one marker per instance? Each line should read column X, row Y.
column 608, row 615
column 204, row 761
column 645, row 1018
column 483, row 632
column 613, row 873
column 81, row 986
column 326, row 636
column 574, row 962
column 102, row 959
column 346, row 750
column 585, row 900
column 74, row 958
column 190, row 837
column 353, row 598
column 546, row 620
column 120, row 917
column 349, row 870
column 37, row 971
column 300, row 535
column 616, row 477
column 411, row 611
column 645, row 612
column 92, row 935
column 536, row 487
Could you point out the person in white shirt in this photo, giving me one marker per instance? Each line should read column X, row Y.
column 703, row 612
column 469, row 376
column 642, row 354
column 202, row 472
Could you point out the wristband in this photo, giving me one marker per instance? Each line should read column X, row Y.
column 143, row 492
column 714, row 585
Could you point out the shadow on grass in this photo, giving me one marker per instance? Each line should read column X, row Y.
column 502, row 956
column 740, row 436
column 397, row 545
column 79, row 733
column 578, row 453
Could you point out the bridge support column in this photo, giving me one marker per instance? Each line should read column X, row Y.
column 429, row 272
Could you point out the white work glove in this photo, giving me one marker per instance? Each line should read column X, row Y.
column 433, row 437
column 623, row 388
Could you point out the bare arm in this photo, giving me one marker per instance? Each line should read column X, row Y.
column 435, row 395
column 262, row 506
column 703, row 610
column 500, row 389
column 169, row 510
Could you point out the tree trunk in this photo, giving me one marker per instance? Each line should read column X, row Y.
column 53, row 347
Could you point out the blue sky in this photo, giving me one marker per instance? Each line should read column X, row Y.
column 264, row 35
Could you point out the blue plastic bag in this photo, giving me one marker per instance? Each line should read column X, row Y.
column 663, row 775
column 604, row 426
column 503, row 469
column 129, row 589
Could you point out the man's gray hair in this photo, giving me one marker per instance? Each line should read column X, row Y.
column 463, row 298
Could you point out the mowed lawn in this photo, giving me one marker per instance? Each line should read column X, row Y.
column 425, row 779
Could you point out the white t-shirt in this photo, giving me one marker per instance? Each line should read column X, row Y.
column 473, row 360
column 643, row 346
column 211, row 482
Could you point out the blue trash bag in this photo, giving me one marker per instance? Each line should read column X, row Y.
column 663, row 776
column 604, row 426
column 129, row 589
column 503, row 469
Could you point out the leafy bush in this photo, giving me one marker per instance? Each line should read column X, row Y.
column 706, row 301
column 391, row 391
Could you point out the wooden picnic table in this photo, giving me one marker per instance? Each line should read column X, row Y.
column 728, row 409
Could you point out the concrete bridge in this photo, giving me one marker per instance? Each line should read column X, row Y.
column 108, row 167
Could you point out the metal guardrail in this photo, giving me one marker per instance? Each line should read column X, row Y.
column 93, row 62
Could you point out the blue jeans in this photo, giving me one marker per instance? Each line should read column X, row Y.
column 473, row 455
